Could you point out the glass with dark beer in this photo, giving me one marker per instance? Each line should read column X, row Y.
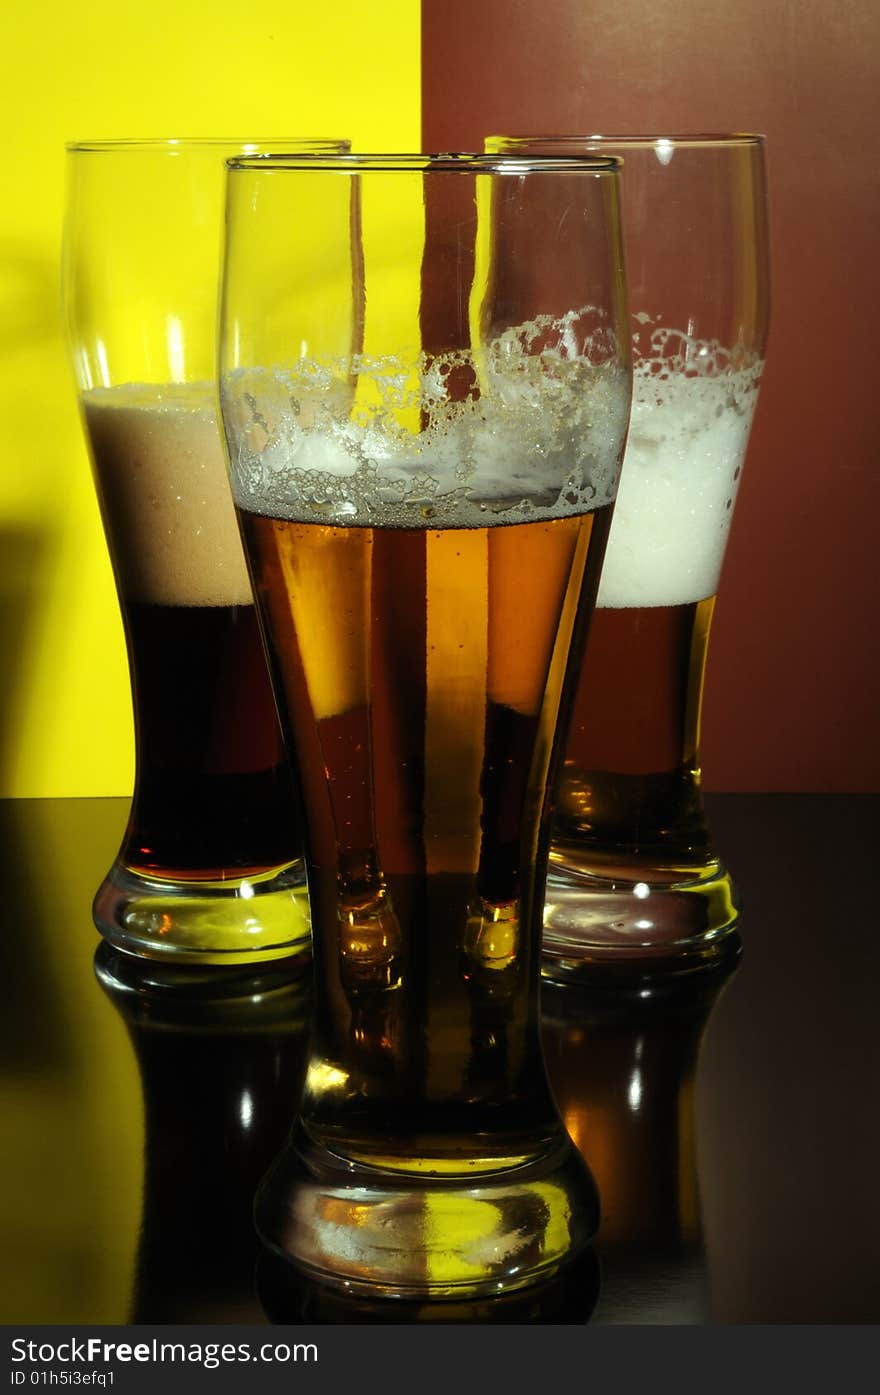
column 210, row 867
column 635, row 881
column 424, row 420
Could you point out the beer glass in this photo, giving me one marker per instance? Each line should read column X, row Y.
column 210, row 867
column 635, row 882
column 424, row 418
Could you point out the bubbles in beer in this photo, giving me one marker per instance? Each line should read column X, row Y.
column 692, row 410
column 162, row 477
column 525, row 427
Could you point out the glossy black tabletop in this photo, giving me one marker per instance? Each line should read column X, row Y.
column 732, row 1122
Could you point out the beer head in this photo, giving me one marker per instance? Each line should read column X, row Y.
column 428, row 361
column 161, row 472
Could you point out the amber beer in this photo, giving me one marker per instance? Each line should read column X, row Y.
column 422, row 693
column 629, row 807
column 213, row 796
column 424, row 516
column 629, row 803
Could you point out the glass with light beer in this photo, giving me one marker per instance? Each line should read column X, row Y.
column 636, row 884
column 210, row 868
column 425, row 515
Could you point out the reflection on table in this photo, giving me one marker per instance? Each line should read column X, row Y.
column 221, row 1055
column 728, row 1124
column 622, row 1063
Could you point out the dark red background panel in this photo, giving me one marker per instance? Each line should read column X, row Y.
column 792, row 692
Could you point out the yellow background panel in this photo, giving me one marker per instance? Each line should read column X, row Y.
column 110, row 70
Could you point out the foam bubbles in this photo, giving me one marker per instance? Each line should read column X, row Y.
column 526, row 427
column 162, row 476
column 692, row 410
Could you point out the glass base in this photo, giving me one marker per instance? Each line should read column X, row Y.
column 238, row 921
column 624, row 928
column 567, row 1296
column 371, row 1231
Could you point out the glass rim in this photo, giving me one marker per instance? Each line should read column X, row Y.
column 450, row 162
column 680, row 140
column 153, row 144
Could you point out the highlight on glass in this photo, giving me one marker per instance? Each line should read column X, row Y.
column 425, row 409
column 210, row 867
column 636, row 884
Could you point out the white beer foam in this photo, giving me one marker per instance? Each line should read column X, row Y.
column 384, row 442
column 691, row 416
column 160, row 463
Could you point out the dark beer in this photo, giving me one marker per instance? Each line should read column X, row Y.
column 214, row 799
column 213, row 793
column 210, row 867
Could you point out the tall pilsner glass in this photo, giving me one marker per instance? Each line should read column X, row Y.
column 210, row 867
column 425, row 516
column 635, row 882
